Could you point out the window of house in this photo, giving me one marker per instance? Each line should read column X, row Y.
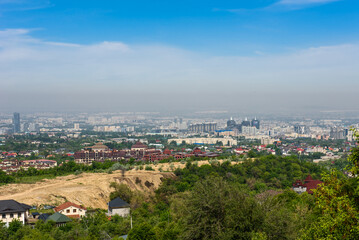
column 11, row 215
column 4, row 216
column 68, row 211
column 19, row 215
column 74, row 210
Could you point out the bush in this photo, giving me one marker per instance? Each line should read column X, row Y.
column 172, row 167
column 149, row 168
column 117, row 166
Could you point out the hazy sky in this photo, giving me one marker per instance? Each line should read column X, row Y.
column 176, row 55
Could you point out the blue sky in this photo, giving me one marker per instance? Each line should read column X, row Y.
column 219, row 27
column 155, row 47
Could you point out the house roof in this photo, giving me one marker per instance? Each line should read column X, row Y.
column 308, row 178
column 58, row 218
column 11, row 206
column 309, row 183
column 312, row 184
column 118, row 203
column 99, row 146
column 66, row 205
column 139, row 145
column 44, row 216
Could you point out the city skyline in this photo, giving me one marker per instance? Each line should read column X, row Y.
column 271, row 56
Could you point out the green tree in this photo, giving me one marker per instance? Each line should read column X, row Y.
column 217, row 210
column 337, row 202
column 142, row 231
column 14, row 226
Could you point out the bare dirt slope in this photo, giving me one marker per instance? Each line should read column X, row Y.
column 88, row 189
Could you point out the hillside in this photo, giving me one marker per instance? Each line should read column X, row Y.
column 89, row 189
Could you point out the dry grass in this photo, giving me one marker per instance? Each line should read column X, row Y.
column 88, row 189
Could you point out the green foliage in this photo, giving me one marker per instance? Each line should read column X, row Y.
column 338, row 212
column 4, row 178
column 149, row 168
column 248, row 200
column 14, row 226
column 142, row 231
column 216, row 210
column 122, row 191
column 337, row 205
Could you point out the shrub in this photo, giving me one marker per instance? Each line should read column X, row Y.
column 149, row 168
column 172, row 167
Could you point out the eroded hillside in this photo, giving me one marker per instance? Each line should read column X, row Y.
column 89, row 189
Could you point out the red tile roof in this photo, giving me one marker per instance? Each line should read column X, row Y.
column 309, row 183
column 139, row 145
column 312, row 185
column 66, row 205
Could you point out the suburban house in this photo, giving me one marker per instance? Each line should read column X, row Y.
column 306, row 186
column 119, row 207
column 72, row 210
column 59, row 219
column 11, row 209
column 43, row 216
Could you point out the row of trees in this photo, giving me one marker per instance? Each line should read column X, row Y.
column 93, row 226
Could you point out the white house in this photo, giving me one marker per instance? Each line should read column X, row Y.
column 11, row 209
column 72, row 210
column 119, row 207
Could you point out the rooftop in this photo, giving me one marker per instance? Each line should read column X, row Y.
column 118, row 203
column 11, row 206
column 66, row 205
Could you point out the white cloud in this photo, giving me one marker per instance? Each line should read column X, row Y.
column 304, row 2
column 72, row 76
column 281, row 5
column 23, row 5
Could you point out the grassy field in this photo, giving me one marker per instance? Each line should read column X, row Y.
column 33, row 179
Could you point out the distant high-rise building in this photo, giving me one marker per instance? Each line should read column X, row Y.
column 301, row 129
column 255, row 123
column 76, row 126
column 231, row 124
column 338, row 133
column 16, row 122
column 202, row 127
column 246, row 123
column 250, row 131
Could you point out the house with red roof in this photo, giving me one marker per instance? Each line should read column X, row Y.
column 71, row 210
column 139, row 147
column 167, row 152
column 308, row 185
column 240, row 150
